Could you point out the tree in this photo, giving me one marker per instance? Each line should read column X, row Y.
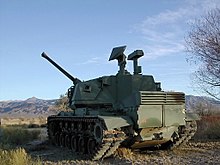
column 204, row 107
column 62, row 103
column 203, row 43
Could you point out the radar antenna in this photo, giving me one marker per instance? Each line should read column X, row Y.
column 118, row 53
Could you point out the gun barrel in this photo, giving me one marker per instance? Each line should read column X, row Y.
column 75, row 80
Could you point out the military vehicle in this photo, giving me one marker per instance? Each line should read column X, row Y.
column 125, row 109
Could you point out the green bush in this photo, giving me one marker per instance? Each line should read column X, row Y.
column 17, row 135
column 17, row 157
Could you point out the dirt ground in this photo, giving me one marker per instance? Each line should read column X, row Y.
column 194, row 152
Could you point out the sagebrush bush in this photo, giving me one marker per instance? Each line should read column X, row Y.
column 17, row 135
column 213, row 132
column 208, row 128
column 17, row 157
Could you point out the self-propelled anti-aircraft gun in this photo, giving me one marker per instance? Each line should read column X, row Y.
column 125, row 109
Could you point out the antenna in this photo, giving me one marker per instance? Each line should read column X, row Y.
column 134, row 56
column 118, row 53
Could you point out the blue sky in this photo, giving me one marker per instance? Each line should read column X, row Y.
column 79, row 35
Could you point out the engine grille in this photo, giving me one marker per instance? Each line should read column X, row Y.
column 155, row 98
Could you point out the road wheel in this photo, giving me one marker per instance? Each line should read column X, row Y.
column 91, row 146
column 67, row 141
column 62, row 140
column 57, row 139
column 73, row 143
column 81, row 145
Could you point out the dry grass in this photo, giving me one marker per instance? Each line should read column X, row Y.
column 28, row 122
column 124, row 153
column 10, row 139
column 17, row 157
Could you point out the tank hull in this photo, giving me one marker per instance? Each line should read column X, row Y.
column 94, row 138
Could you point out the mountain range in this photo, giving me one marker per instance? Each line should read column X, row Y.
column 34, row 107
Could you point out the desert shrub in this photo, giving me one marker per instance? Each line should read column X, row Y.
column 213, row 132
column 17, row 126
column 43, row 125
column 17, row 157
column 33, row 126
column 17, row 135
column 208, row 128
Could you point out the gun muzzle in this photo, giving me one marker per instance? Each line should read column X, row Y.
column 44, row 55
column 75, row 80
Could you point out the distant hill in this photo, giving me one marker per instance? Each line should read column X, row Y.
column 34, row 107
column 193, row 102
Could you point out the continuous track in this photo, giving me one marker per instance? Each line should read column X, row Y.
column 184, row 135
column 86, row 136
column 90, row 139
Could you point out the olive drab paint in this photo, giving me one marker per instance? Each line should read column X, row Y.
column 123, row 109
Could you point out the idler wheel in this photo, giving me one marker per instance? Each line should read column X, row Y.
column 81, row 145
column 91, row 146
column 98, row 132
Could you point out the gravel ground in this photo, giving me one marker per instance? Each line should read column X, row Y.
column 194, row 152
